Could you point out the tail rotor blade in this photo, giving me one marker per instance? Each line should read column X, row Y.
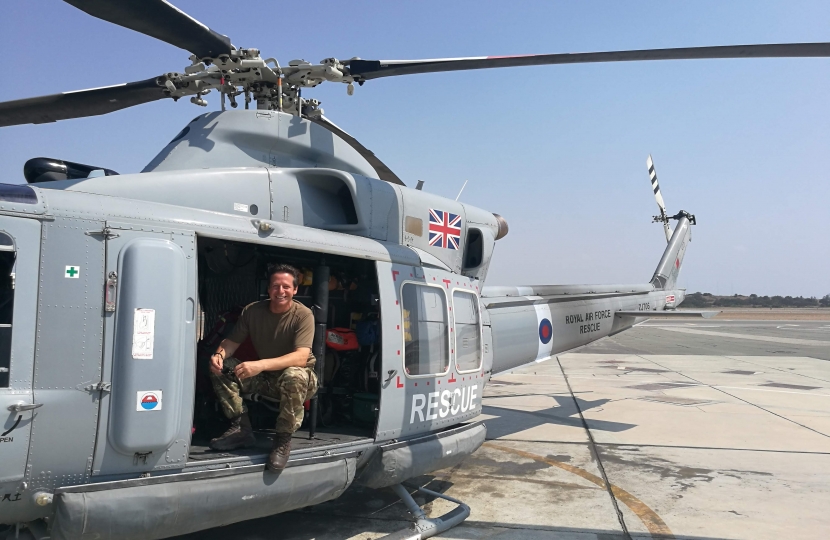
column 655, row 186
column 652, row 174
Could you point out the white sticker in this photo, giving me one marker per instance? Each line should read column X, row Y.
column 144, row 324
column 148, row 400
column 72, row 272
column 239, row 207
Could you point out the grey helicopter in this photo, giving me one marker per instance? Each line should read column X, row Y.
column 116, row 287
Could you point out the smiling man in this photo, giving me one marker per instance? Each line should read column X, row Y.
column 282, row 331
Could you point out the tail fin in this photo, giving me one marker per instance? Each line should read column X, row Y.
column 665, row 277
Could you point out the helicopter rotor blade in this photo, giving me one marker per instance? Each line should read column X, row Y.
column 80, row 103
column 384, row 172
column 655, row 186
column 161, row 20
column 374, row 69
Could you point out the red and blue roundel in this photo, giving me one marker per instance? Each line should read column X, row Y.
column 545, row 331
column 149, row 402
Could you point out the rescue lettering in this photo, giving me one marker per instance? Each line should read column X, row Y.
column 435, row 405
column 588, row 328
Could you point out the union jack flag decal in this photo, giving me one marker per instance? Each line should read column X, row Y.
column 444, row 229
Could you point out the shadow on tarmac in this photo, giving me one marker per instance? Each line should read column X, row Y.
column 512, row 421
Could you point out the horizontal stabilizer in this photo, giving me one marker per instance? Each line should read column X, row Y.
column 668, row 314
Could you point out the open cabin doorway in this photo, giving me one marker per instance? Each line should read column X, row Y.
column 232, row 275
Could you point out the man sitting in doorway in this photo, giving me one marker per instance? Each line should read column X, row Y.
column 281, row 330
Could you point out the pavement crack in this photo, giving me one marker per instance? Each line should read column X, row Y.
column 736, row 397
column 595, row 452
column 764, row 366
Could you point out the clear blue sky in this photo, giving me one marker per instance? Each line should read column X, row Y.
column 558, row 150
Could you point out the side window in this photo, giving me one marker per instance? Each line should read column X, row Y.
column 7, row 256
column 426, row 340
column 474, row 251
column 467, row 331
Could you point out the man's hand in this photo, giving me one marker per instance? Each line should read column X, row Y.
column 216, row 362
column 247, row 370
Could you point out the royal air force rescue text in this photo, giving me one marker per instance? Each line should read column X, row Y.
column 590, row 322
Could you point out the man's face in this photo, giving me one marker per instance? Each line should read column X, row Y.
column 281, row 290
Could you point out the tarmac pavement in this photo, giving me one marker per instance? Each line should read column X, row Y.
column 716, row 430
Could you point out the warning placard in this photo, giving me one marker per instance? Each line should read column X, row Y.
column 144, row 329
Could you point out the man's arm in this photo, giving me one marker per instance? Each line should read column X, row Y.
column 225, row 349
column 298, row 358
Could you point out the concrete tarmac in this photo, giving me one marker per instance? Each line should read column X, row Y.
column 686, row 430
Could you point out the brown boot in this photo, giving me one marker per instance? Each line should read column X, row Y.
column 279, row 454
column 239, row 435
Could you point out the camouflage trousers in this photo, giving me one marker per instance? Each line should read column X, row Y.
column 291, row 386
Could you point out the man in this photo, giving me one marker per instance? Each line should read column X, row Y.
column 282, row 332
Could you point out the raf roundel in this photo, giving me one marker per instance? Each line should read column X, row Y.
column 545, row 331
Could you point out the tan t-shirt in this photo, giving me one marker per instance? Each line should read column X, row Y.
column 275, row 334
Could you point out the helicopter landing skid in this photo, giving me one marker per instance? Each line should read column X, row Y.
column 425, row 527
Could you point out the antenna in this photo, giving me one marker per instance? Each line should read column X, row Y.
column 420, row 185
column 659, row 197
column 462, row 189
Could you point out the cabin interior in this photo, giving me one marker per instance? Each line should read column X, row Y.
column 234, row 274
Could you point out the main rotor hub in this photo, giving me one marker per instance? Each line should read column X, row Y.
column 243, row 71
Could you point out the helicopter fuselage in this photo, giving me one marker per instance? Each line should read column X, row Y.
column 102, row 404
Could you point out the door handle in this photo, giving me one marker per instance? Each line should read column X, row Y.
column 20, row 407
column 391, row 373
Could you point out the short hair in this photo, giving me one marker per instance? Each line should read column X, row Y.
column 283, row 269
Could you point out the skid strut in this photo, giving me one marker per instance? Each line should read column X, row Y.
column 425, row 527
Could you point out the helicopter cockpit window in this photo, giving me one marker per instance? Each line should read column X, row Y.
column 426, row 339
column 467, row 331
column 7, row 256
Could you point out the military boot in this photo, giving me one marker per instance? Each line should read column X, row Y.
column 239, row 435
column 279, row 454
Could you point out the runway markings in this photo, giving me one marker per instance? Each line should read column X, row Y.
column 791, row 341
column 765, row 390
column 654, row 523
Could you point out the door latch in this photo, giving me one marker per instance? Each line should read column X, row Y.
column 109, row 291
column 99, row 387
column 20, row 407
column 106, row 232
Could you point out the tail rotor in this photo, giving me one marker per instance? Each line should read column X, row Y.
column 663, row 217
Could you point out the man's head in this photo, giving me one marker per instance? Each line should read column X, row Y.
column 282, row 286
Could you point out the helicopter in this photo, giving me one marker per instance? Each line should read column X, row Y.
column 115, row 287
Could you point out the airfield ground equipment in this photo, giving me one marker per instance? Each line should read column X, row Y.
column 114, row 289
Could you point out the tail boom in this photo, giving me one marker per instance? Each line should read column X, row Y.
column 532, row 324
column 665, row 276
